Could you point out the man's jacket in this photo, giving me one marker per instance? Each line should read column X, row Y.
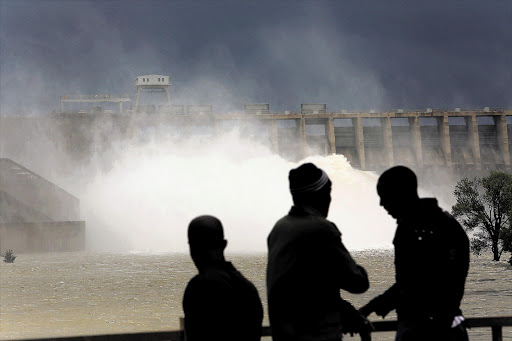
column 307, row 266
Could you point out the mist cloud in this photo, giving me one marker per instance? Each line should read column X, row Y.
column 350, row 55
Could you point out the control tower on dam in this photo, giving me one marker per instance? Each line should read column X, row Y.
column 460, row 140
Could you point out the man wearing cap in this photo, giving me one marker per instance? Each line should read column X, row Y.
column 431, row 263
column 308, row 265
column 219, row 303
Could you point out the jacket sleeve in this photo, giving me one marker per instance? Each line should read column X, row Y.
column 456, row 267
column 347, row 273
column 352, row 277
column 325, row 259
column 383, row 303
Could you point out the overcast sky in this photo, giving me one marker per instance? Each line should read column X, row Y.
column 349, row 54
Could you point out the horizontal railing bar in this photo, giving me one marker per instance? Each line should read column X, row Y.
column 178, row 335
column 173, row 335
column 478, row 322
column 472, row 322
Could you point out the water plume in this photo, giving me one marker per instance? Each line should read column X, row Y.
column 148, row 197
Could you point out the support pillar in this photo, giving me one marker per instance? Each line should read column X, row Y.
column 444, row 134
column 415, row 131
column 168, row 95
column 331, row 138
column 133, row 130
column 137, row 99
column 301, row 133
column 474, row 140
column 357, row 123
column 387, row 135
column 273, row 136
column 502, row 135
column 215, row 128
column 68, row 133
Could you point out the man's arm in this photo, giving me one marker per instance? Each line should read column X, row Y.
column 327, row 260
column 350, row 276
column 382, row 304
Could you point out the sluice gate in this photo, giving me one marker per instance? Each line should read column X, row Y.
column 458, row 140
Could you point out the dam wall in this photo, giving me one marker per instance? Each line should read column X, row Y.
column 32, row 198
column 462, row 141
column 36, row 215
column 25, row 237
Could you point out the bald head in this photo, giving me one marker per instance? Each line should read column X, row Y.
column 398, row 190
column 206, row 241
column 205, row 230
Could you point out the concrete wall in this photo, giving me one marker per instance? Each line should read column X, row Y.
column 35, row 214
column 33, row 198
column 42, row 237
column 479, row 140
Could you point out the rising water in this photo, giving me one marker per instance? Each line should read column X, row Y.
column 133, row 276
column 60, row 294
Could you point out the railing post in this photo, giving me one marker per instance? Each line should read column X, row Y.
column 366, row 336
column 182, row 329
column 497, row 333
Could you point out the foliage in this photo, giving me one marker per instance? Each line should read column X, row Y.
column 506, row 237
column 9, row 256
column 484, row 207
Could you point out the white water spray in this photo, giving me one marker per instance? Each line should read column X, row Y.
column 145, row 202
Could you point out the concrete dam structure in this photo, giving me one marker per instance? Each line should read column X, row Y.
column 458, row 140
column 38, row 216
column 35, row 214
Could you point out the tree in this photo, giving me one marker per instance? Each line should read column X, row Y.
column 506, row 236
column 9, row 256
column 484, row 207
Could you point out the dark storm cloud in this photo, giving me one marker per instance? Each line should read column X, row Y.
column 348, row 54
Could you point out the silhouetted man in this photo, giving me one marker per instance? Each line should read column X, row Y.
column 220, row 304
column 431, row 263
column 308, row 265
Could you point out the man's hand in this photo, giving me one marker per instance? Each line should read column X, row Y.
column 366, row 310
column 373, row 306
column 358, row 324
column 353, row 321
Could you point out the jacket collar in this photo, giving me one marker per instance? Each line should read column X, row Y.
column 425, row 208
column 304, row 211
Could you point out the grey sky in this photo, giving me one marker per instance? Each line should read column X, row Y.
column 348, row 54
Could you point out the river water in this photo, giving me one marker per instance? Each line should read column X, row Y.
column 62, row 294
column 137, row 209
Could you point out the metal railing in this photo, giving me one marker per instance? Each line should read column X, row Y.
column 495, row 323
column 95, row 96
